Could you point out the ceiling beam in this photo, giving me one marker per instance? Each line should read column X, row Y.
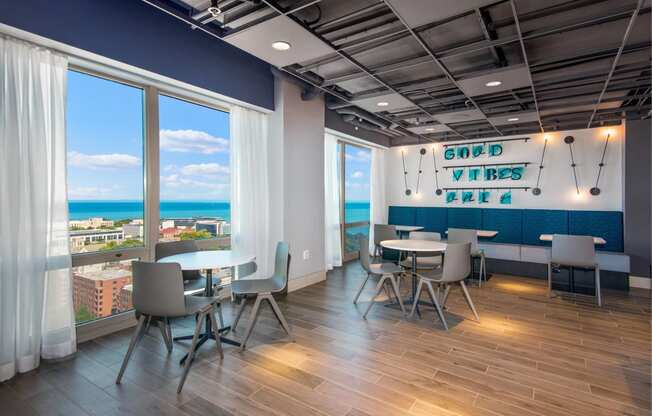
column 527, row 63
column 630, row 25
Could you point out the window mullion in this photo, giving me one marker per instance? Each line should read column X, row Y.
column 151, row 177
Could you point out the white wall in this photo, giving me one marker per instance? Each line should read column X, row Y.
column 297, row 128
column 557, row 184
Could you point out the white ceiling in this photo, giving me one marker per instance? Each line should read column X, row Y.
column 394, row 101
column 459, row 116
column 258, row 42
column 511, row 78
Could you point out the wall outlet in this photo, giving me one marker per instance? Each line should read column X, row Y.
column 306, row 254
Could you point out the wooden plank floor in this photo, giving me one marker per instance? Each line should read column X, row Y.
column 529, row 355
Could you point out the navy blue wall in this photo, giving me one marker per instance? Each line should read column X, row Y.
column 132, row 32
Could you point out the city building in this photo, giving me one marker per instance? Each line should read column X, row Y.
column 81, row 238
column 97, row 288
column 214, row 227
column 135, row 229
column 95, row 222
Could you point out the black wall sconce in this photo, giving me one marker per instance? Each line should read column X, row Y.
column 595, row 191
column 438, row 190
column 421, row 153
column 569, row 141
column 536, row 190
column 408, row 191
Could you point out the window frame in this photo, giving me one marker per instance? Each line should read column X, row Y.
column 151, row 182
column 347, row 255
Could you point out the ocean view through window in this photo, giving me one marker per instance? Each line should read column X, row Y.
column 357, row 192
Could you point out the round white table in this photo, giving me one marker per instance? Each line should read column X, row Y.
column 414, row 247
column 208, row 260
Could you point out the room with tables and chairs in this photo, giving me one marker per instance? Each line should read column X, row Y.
column 326, row 207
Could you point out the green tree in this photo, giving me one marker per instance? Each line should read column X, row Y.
column 112, row 245
column 195, row 235
column 83, row 315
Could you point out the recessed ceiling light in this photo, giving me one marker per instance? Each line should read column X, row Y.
column 382, row 104
column 430, row 129
column 512, row 119
column 493, row 83
column 281, row 45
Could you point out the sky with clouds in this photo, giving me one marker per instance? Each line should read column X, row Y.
column 105, row 144
column 105, row 147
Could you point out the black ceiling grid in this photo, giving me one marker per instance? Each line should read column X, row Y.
column 563, row 64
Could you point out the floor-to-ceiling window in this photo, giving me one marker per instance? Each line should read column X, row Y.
column 354, row 173
column 105, row 139
column 194, row 166
column 120, row 204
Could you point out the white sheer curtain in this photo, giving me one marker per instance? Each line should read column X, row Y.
column 36, row 311
column 378, row 199
column 333, row 246
column 250, row 188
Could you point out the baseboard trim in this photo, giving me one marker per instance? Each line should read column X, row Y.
column 640, row 282
column 307, row 280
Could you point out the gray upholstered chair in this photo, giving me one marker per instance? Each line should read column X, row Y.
column 193, row 280
column 387, row 273
column 264, row 289
column 158, row 295
column 383, row 232
column 574, row 251
column 456, row 269
column 462, row 235
column 425, row 261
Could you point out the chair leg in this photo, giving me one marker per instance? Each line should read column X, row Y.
column 416, row 298
column 598, row 292
column 220, row 317
column 218, row 342
column 392, row 280
column 355, row 300
column 379, row 288
column 445, row 297
column 549, row 279
column 241, row 308
column 468, row 300
column 135, row 338
column 435, row 303
column 253, row 317
column 163, row 325
column 483, row 270
column 279, row 315
column 191, row 353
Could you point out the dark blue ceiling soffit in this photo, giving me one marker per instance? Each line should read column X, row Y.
column 137, row 34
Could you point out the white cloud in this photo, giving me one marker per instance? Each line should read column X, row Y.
column 204, row 169
column 355, row 185
column 111, row 160
column 360, row 155
column 357, row 174
column 192, row 141
column 89, row 192
column 177, row 181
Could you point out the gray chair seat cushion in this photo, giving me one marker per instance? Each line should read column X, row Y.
column 194, row 304
column 384, row 268
column 477, row 252
column 423, row 262
column 198, row 285
column 252, row 286
column 435, row 275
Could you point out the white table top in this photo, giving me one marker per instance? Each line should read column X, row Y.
column 408, row 228
column 596, row 240
column 414, row 245
column 208, row 259
column 484, row 233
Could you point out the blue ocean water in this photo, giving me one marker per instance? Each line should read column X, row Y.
column 121, row 210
